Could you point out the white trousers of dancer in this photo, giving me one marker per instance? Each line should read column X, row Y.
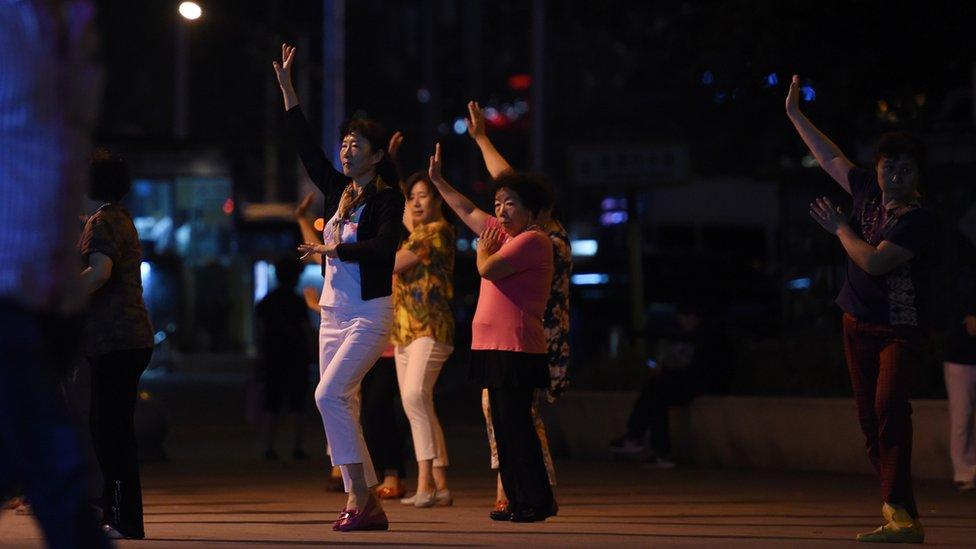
column 418, row 365
column 960, row 380
column 350, row 341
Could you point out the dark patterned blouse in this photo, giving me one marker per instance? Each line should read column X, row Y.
column 117, row 317
column 556, row 318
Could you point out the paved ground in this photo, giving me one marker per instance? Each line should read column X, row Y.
column 240, row 504
column 215, row 492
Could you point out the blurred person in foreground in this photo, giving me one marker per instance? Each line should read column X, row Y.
column 884, row 299
column 48, row 95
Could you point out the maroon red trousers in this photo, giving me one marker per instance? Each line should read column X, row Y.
column 883, row 362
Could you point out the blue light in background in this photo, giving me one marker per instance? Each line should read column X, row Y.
column 460, row 126
column 145, row 270
column 809, row 94
column 707, row 78
column 608, row 219
column 589, row 279
column 772, row 79
column 584, row 248
column 799, row 284
column 612, row 203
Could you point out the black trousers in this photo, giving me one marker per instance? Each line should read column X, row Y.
column 520, row 461
column 660, row 392
column 115, row 383
column 381, row 418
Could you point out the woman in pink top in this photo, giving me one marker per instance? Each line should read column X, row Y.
column 508, row 342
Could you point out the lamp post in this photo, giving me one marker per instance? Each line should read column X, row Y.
column 189, row 11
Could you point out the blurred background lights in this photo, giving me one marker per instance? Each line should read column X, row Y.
column 460, row 126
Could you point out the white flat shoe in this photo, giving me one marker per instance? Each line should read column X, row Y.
column 440, row 498
column 443, row 498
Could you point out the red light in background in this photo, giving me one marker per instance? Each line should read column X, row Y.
column 520, row 82
column 228, row 206
column 319, row 224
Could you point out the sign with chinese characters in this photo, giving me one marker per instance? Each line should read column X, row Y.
column 629, row 166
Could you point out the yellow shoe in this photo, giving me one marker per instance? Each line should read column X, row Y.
column 900, row 528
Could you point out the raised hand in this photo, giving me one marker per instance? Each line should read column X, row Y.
column 434, row 169
column 830, row 217
column 793, row 96
column 490, row 240
column 283, row 69
column 476, row 121
column 393, row 148
column 302, row 207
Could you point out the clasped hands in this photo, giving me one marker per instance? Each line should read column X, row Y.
column 490, row 240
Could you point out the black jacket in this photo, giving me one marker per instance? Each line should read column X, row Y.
column 380, row 224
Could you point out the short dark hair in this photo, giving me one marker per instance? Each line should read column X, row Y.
column 420, row 177
column 530, row 188
column 378, row 138
column 287, row 271
column 109, row 178
column 901, row 145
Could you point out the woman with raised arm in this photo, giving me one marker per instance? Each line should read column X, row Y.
column 508, row 342
column 423, row 332
column 359, row 245
column 885, row 300
column 556, row 318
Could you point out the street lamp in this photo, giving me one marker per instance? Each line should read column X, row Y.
column 191, row 10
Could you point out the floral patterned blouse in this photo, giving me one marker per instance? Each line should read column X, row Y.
column 422, row 294
column 555, row 322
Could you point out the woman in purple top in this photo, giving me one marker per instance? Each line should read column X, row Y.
column 883, row 299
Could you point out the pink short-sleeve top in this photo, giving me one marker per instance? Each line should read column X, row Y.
column 509, row 312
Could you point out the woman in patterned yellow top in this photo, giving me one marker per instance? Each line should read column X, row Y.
column 423, row 331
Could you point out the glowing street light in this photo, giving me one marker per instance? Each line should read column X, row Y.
column 191, row 10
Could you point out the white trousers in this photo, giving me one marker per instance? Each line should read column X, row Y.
column 350, row 341
column 960, row 380
column 418, row 365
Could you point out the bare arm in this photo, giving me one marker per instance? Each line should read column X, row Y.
column 97, row 273
column 283, row 72
column 312, row 297
column 477, row 129
column 875, row 261
column 405, row 259
column 475, row 218
column 309, row 234
column 828, row 154
column 393, row 149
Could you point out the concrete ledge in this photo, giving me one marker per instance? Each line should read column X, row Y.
column 810, row 434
